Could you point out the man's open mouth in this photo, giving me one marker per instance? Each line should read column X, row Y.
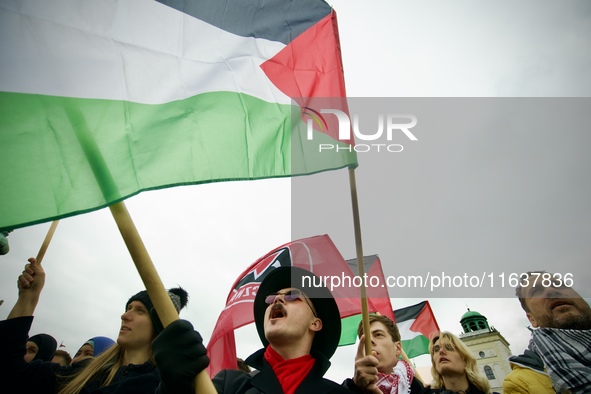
column 277, row 312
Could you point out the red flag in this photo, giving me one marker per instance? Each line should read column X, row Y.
column 317, row 254
column 376, row 289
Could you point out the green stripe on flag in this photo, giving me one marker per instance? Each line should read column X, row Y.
column 349, row 330
column 211, row 137
column 413, row 347
column 416, row 346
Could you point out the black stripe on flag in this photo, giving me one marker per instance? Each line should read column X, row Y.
column 409, row 312
column 275, row 20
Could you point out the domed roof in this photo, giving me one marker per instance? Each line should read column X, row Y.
column 473, row 321
column 471, row 314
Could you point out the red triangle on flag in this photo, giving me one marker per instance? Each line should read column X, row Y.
column 309, row 73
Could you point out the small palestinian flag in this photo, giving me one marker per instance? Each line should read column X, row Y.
column 416, row 324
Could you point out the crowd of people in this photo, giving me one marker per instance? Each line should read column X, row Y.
column 299, row 329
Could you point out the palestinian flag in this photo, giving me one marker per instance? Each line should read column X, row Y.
column 416, row 324
column 102, row 100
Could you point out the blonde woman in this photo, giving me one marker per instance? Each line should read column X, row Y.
column 454, row 367
column 144, row 359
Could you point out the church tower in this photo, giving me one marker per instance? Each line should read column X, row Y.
column 489, row 347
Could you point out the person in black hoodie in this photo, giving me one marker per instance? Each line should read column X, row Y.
column 40, row 347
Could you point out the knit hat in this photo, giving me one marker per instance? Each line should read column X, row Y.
column 47, row 346
column 178, row 296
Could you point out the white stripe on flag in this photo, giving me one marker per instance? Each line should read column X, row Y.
column 133, row 50
column 405, row 332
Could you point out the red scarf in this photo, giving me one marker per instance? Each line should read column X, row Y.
column 290, row 373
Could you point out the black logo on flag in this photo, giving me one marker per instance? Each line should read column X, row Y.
column 279, row 258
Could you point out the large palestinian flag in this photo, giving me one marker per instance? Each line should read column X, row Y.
column 416, row 324
column 100, row 100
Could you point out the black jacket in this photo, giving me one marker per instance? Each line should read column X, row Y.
column 471, row 390
column 263, row 380
column 415, row 386
column 40, row 377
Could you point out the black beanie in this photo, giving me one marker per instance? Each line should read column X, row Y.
column 178, row 296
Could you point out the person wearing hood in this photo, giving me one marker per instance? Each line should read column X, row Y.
column 129, row 366
column 93, row 348
column 40, row 347
column 528, row 375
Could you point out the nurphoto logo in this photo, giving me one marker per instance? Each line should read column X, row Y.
column 389, row 127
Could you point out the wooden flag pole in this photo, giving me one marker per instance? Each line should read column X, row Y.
column 46, row 241
column 139, row 254
column 405, row 358
column 360, row 263
column 154, row 286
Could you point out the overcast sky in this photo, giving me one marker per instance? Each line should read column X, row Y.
column 471, row 200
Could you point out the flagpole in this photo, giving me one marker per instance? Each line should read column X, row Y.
column 360, row 262
column 139, row 254
column 154, row 286
column 46, row 241
column 412, row 364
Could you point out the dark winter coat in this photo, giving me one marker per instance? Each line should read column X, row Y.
column 41, row 377
column 471, row 390
column 263, row 380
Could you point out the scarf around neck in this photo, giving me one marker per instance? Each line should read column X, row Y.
column 567, row 357
column 397, row 382
column 290, row 373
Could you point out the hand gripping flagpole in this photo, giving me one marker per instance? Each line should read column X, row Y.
column 139, row 254
column 360, row 262
column 152, row 282
column 45, row 243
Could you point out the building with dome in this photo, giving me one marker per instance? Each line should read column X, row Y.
column 489, row 347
